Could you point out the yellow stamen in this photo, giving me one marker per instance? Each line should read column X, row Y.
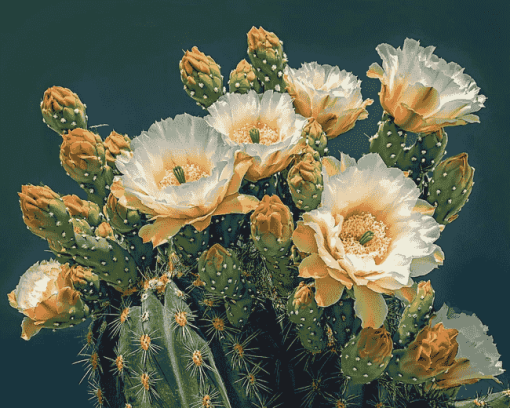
column 192, row 172
column 355, row 227
column 267, row 135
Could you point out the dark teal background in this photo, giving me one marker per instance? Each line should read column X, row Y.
column 121, row 58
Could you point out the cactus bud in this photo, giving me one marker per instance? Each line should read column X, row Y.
column 315, row 137
column 416, row 315
column 201, row 77
column 82, row 155
column 243, row 79
column 305, row 182
column 46, row 296
column 121, row 218
column 114, row 145
column 83, row 208
column 450, row 187
column 272, row 226
column 430, row 354
column 365, row 357
column 267, row 56
column 45, row 213
column 105, row 230
column 84, row 281
column 62, row 110
column 220, row 271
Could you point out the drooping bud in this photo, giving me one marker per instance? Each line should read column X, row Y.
column 121, row 218
column 365, row 357
column 115, row 144
column 243, row 79
column 45, row 214
column 272, row 226
column 220, row 271
column 201, row 77
column 83, row 208
column 315, row 137
column 430, row 354
column 48, row 299
column 267, row 56
column 416, row 315
column 62, row 110
column 305, row 182
column 450, row 187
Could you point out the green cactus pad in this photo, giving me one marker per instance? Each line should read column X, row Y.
column 189, row 244
column 389, row 142
column 239, row 311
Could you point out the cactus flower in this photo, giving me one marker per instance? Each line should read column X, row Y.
column 46, row 296
column 371, row 234
column 331, row 96
column 212, row 170
column 423, row 92
column 477, row 357
column 114, row 144
column 62, row 110
column 201, row 77
column 272, row 117
column 431, row 353
column 82, row 155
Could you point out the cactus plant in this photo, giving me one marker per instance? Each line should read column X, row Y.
column 231, row 262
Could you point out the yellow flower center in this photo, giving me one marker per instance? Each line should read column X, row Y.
column 192, row 172
column 267, row 135
column 355, row 238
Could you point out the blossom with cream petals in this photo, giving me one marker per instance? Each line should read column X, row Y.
column 331, row 96
column 213, row 173
column 273, row 116
column 421, row 91
column 367, row 234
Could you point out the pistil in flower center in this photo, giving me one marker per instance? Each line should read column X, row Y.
column 267, row 135
column 362, row 235
column 182, row 174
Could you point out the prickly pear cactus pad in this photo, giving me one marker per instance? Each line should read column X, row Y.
column 233, row 260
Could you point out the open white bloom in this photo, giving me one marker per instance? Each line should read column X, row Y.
column 188, row 147
column 272, row 117
column 422, row 91
column 371, row 234
column 331, row 96
column 477, row 357
column 46, row 296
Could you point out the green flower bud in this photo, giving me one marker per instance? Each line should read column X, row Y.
column 243, row 79
column 62, row 110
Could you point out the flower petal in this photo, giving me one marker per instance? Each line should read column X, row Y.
column 328, row 291
column 29, row 328
column 304, row 238
column 370, row 307
column 160, row 230
column 313, row 267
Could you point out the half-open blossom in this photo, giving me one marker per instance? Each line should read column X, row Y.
column 477, row 357
column 181, row 172
column 331, row 96
column 271, row 117
column 371, row 234
column 47, row 297
column 423, row 92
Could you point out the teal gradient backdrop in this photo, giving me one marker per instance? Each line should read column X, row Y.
column 121, row 58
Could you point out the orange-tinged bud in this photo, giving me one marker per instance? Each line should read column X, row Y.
column 62, row 110
column 194, row 59
column 457, row 169
column 115, row 144
column 215, row 256
column 82, row 155
column 105, row 230
column 303, row 296
column 82, row 208
column 260, row 38
column 120, row 217
column 374, row 344
column 272, row 217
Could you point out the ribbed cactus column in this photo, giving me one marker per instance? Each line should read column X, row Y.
column 201, row 77
column 243, row 79
column 449, row 187
column 271, row 231
column 266, row 55
column 63, row 110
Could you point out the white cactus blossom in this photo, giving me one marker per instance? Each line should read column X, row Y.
column 423, row 92
column 328, row 94
column 358, row 199
column 272, row 113
column 214, row 173
column 474, row 343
